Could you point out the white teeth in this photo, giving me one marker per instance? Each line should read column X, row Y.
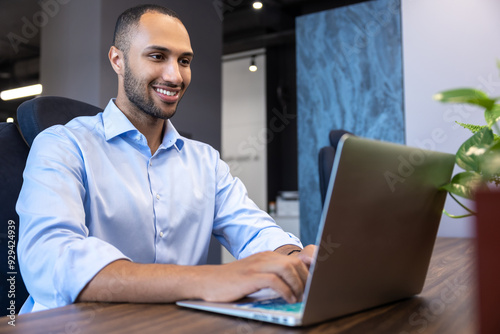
column 166, row 92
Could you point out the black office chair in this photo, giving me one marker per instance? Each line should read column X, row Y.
column 13, row 154
column 42, row 112
column 325, row 161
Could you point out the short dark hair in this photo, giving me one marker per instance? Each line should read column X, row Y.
column 129, row 19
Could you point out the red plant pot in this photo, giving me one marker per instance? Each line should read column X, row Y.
column 488, row 260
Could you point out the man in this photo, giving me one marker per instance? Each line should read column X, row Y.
column 119, row 207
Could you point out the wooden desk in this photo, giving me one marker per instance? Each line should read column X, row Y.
column 447, row 305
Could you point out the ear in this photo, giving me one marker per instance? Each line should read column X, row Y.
column 117, row 60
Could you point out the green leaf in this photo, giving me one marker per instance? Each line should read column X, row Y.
column 492, row 115
column 469, row 154
column 466, row 95
column 495, row 147
column 475, row 128
column 464, row 184
column 490, row 161
column 472, row 127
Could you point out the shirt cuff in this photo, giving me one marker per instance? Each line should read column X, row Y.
column 270, row 239
column 83, row 261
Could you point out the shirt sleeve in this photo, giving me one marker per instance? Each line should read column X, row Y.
column 57, row 257
column 239, row 224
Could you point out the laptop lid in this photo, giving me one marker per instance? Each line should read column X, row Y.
column 378, row 226
column 376, row 233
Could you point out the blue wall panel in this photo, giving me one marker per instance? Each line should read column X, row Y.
column 349, row 76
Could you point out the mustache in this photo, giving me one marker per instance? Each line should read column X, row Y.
column 168, row 85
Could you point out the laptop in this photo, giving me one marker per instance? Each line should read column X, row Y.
column 375, row 237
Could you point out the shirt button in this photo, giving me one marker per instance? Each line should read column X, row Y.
column 151, row 163
column 157, row 196
column 161, row 234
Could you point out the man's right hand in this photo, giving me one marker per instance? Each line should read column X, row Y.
column 287, row 275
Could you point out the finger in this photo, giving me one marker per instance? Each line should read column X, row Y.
column 306, row 259
column 277, row 284
column 302, row 271
column 288, row 269
column 291, row 270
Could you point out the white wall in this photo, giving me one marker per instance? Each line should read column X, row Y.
column 244, row 123
column 447, row 44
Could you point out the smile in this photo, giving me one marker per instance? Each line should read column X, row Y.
column 166, row 92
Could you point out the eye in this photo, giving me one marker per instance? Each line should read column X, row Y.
column 185, row 61
column 156, row 56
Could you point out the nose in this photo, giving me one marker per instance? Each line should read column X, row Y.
column 172, row 73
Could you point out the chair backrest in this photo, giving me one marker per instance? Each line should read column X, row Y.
column 325, row 164
column 42, row 112
column 325, row 161
column 13, row 154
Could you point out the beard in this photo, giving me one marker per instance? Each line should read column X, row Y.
column 142, row 101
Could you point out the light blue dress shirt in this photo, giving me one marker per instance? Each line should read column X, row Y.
column 93, row 194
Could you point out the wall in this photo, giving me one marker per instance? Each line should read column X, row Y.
column 349, row 76
column 244, row 123
column 70, row 52
column 447, row 44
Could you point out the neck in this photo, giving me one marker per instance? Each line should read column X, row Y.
column 151, row 127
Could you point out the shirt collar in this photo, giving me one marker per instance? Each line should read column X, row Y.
column 172, row 137
column 116, row 124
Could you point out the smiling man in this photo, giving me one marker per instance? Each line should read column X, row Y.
column 119, row 207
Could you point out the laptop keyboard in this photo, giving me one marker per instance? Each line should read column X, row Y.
column 276, row 304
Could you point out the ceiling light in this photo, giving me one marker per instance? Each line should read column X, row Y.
column 253, row 67
column 10, row 120
column 21, row 92
column 257, row 5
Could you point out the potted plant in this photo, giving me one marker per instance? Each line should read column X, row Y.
column 478, row 156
